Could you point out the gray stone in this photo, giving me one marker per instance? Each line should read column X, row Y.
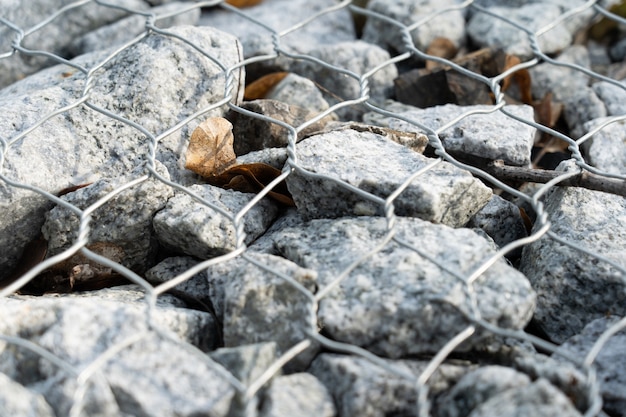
column 299, row 394
column 606, row 150
column 247, row 363
column 610, row 364
column 539, row 398
column 54, row 37
column 613, row 97
column 299, row 91
column 582, row 106
column 476, row 387
column 154, row 375
column 83, row 145
column 260, row 306
column 253, row 134
column 281, row 15
column 489, row 31
column 17, row 400
column 361, row 388
column 450, row 25
column 358, row 57
column 492, row 135
column 502, row 221
column 193, row 228
column 379, row 303
column 561, row 81
column 275, row 157
column 574, row 288
column 443, row 194
column 126, row 29
column 124, row 221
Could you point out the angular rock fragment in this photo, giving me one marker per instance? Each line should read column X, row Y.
column 144, row 83
column 404, row 300
column 610, row 364
column 450, row 24
column 357, row 57
column 606, row 149
column 153, row 375
column 573, row 287
column 298, row 394
column 492, row 135
column 256, row 305
column 538, row 398
column 361, row 388
column 191, row 227
column 299, row 91
column 17, row 400
column 124, row 222
column 54, row 37
column 369, row 161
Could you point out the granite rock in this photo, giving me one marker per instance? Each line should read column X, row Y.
column 299, row 91
column 450, row 25
column 188, row 226
column 478, row 386
column 82, row 145
column 379, row 303
column 298, row 394
column 610, row 362
column 54, row 37
column 613, row 96
column 443, row 194
column 606, row 149
column 124, row 30
column 492, row 135
column 358, row 57
column 361, row 388
column 124, row 222
column 17, row 400
column 573, row 287
column 153, row 375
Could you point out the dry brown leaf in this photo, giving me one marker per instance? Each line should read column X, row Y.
column 210, row 151
column 442, row 48
column 259, row 88
column 521, row 77
column 243, row 3
column 254, row 177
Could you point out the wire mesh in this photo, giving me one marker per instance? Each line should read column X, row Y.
column 89, row 76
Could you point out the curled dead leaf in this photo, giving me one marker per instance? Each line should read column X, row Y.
column 261, row 87
column 210, row 151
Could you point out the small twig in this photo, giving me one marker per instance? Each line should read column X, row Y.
column 585, row 179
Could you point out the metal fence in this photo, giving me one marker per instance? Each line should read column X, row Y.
column 542, row 228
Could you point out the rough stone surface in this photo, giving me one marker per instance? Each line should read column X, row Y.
column 357, row 57
column 487, row 30
column 492, row 135
column 606, row 150
column 574, row 288
column 379, row 303
column 539, row 398
column 443, row 194
column 450, row 24
column 328, row 29
column 152, row 376
column 83, row 145
column 124, row 222
column 126, row 29
column 610, row 362
column 54, row 37
column 559, row 80
column 193, row 228
column 360, row 388
column 259, row 306
column 299, row 394
column 252, row 134
column 299, row 91
column 478, row 386
column 502, row 221
column 17, row 400
column 613, row 96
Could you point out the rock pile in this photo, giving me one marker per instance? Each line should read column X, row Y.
column 233, row 304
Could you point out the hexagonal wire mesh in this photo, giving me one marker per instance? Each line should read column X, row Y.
column 87, row 75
